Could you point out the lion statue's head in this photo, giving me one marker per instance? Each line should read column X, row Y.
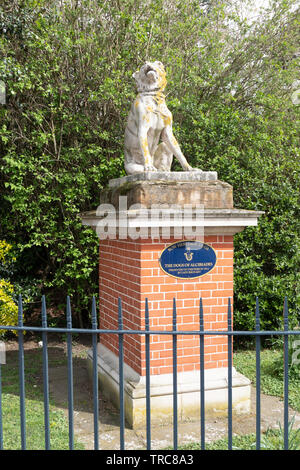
column 150, row 77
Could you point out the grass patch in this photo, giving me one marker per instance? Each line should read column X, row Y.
column 273, row 439
column 271, row 384
column 34, row 401
column 271, row 374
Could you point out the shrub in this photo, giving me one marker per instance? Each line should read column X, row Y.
column 68, row 70
column 293, row 358
column 8, row 308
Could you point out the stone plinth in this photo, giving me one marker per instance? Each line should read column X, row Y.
column 212, row 194
column 130, row 269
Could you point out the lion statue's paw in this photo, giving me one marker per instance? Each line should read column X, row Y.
column 150, row 168
column 190, row 168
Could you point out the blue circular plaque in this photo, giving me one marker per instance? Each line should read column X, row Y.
column 188, row 259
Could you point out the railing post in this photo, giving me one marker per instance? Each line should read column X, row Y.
column 148, row 391
column 121, row 376
column 21, row 374
column 175, row 405
column 202, row 378
column 95, row 376
column 70, row 376
column 45, row 375
column 258, row 345
column 1, row 426
column 286, row 374
column 2, row 361
column 229, row 377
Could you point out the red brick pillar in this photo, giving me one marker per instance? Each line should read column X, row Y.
column 130, row 269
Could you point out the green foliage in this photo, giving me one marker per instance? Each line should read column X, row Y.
column 68, row 69
column 293, row 355
column 34, row 403
column 271, row 384
column 272, row 439
column 8, row 308
column 271, row 373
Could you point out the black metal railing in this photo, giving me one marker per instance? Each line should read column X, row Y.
column 96, row 333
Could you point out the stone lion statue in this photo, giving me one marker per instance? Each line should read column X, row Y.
column 149, row 141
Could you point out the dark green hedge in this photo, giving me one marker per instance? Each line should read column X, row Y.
column 68, row 70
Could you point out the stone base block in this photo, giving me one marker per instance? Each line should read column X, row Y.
column 161, row 390
column 187, row 190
